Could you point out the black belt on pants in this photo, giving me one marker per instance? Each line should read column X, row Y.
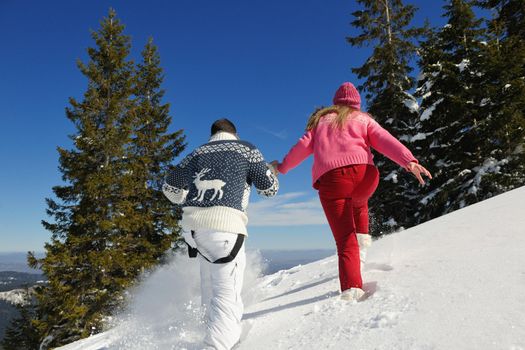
column 192, row 252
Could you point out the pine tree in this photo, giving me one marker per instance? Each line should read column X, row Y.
column 385, row 24
column 451, row 122
column 110, row 222
column 503, row 95
column 153, row 224
column 83, row 271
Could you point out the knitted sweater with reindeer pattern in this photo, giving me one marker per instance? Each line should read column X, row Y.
column 213, row 183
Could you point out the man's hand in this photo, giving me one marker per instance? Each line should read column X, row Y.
column 418, row 170
column 273, row 165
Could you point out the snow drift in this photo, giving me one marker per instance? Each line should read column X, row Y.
column 456, row 282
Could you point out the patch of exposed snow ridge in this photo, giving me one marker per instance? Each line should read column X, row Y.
column 15, row 296
column 456, row 282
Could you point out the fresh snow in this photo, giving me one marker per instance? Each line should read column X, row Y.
column 432, row 194
column 463, row 64
column 456, row 282
column 490, row 165
column 484, row 102
column 427, row 113
column 392, row 176
column 411, row 103
column 418, row 136
column 425, row 89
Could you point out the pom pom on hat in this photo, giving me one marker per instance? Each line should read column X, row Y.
column 347, row 95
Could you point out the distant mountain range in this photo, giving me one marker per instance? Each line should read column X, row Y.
column 275, row 259
column 11, row 285
column 285, row 259
column 17, row 262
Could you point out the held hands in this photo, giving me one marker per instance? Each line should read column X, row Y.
column 273, row 165
column 418, row 170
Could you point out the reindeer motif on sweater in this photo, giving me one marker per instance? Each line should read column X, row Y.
column 205, row 185
column 212, row 184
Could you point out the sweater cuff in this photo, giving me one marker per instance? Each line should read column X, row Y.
column 282, row 169
column 414, row 160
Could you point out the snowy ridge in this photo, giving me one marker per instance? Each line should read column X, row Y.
column 15, row 296
column 456, row 282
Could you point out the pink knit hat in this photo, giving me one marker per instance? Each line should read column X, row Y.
column 347, row 95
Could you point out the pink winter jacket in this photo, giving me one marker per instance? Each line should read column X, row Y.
column 333, row 147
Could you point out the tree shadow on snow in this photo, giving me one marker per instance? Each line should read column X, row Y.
column 376, row 266
column 289, row 306
column 306, row 286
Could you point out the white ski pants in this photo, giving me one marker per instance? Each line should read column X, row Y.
column 221, row 286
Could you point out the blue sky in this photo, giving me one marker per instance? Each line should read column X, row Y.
column 263, row 64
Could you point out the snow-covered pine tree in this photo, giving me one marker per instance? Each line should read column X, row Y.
column 107, row 225
column 503, row 99
column 449, row 115
column 385, row 24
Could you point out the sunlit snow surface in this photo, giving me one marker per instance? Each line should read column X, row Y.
column 457, row 282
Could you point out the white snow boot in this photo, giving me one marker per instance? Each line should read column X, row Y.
column 352, row 294
column 365, row 241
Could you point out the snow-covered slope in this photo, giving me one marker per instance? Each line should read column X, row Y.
column 15, row 296
column 457, row 282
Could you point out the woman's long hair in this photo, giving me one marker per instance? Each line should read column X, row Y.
column 342, row 114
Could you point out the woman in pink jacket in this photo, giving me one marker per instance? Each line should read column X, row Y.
column 340, row 138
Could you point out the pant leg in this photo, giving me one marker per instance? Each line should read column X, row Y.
column 226, row 307
column 205, row 283
column 339, row 215
column 344, row 194
column 368, row 180
column 361, row 219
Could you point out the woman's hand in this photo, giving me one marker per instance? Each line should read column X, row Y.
column 418, row 170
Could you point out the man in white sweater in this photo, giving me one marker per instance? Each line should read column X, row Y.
column 212, row 184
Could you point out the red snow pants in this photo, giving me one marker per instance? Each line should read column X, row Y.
column 344, row 194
